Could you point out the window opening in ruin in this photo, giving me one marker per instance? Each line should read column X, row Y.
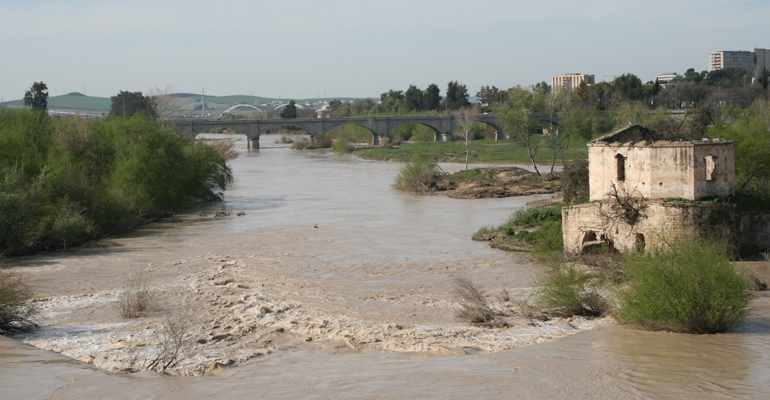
column 590, row 236
column 640, row 242
column 621, row 167
column 710, row 167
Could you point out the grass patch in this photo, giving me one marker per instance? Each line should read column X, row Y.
column 482, row 151
column 687, row 286
column 136, row 298
column 570, row 290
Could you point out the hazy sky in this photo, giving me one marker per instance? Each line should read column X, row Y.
column 297, row 49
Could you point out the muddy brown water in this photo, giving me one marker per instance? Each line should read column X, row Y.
column 377, row 257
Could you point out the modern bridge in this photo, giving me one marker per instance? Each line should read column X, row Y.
column 442, row 125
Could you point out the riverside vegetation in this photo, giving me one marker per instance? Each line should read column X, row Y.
column 67, row 181
column 689, row 285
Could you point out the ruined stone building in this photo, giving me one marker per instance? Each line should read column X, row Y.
column 643, row 191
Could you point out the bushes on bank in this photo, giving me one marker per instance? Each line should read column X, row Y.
column 687, row 286
column 65, row 181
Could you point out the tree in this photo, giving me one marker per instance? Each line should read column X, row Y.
column 456, row 96
column 544, row 86
column 486, row 95
column 431, row 97
column 514, row 115
column 581, row 91
column 414, row 98
column 126, row 104
column 162, row 101
column 628, row 87
column 465, row 122
column 335, row 105
column 557, row 105
column 691, row 76
column 37, row 96
column 290, row 111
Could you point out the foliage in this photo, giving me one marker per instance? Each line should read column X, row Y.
column 64, row 181
column 290, row 111
column 688, row 285
column 750, row 130
column 37, row 96
column 575, row 184
column 570, row 289
column 548, row 239
column 535, row 216
column 16, row 310
column 514, row 116
column 456, row 96
column 416, row 175
column 431, row 97
column 126, row 104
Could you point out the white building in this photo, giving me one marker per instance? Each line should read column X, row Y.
column 571, row 81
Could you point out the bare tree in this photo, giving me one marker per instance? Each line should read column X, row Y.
column 557, row 105
column 163, row 103
column 514, row 115
column 465, row 122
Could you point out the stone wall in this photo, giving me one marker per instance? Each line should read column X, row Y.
column 755, row 231
column 663, row 220
column 660, row 170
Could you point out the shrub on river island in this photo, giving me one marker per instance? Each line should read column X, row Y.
column 416, row 175
column 688, row 285
column 16, row 310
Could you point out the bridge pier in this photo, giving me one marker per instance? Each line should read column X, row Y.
column 252, row 142
column 446, row 137
column 375, row 139
column 499, row 135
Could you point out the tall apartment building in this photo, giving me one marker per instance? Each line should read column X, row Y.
column 753, row 61
column 571, row 81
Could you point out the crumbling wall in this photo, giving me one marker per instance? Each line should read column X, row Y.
column 662, row 221
column 660, row 170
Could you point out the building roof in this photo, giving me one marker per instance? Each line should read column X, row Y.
column 633, row 133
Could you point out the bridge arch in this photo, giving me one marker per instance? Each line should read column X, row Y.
column 225, row 112
column 284, row 105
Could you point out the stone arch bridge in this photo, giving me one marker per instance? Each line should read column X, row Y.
column 442, row 125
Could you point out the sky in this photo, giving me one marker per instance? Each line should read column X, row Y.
column 304, row 49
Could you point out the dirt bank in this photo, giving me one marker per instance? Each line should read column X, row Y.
column 496, row 182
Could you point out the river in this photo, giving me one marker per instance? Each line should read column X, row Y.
column 360, row 306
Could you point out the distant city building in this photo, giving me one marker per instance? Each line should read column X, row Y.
column 752, row 61
column 668, row 77
column 571, row 81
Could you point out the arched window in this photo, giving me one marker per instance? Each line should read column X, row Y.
column 620, row 162
column 710, row 166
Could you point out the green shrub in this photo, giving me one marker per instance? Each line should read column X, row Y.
column 526, row 236
column 548, row 238
column 687, row 286
column 417, row 175
column 321, row 141
column 571, row 290
column 535, row 216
